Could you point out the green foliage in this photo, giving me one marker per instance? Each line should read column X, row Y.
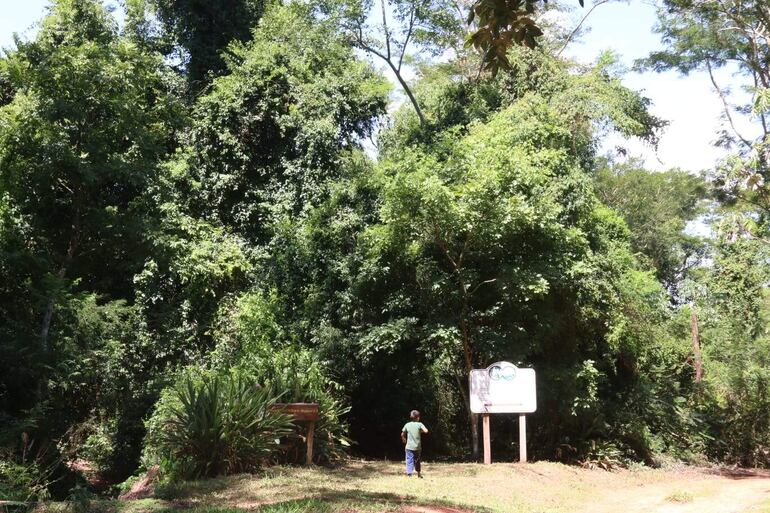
column 171, row 265
column 486, row 245
column 23, row 482
column 591, row 100
column 736, row 352
column 93, row 441
column 713, row 34
column 657, row 215
column 214, row 425
column 253, row 340
column 90, row 119
column 730, row 295
column 270, row 134
column 194, row 266
column 203, row 29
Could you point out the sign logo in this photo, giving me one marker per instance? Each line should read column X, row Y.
column 502, row 372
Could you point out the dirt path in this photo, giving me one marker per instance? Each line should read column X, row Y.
column 699, row 493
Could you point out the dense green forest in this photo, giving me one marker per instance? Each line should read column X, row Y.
column 208, row 207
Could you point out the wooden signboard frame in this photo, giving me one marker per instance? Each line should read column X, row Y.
column 306, row 412
column 518, row 396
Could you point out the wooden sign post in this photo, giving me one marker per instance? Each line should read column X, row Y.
column 503, row 388
column 487, row 440
column 302, row 412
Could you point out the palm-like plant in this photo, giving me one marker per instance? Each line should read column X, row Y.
column 221, row 425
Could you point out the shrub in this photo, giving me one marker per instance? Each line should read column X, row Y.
column 23, row 482
column 251, row 339
column 214, row 425
column 298, row 374
column 92, row 440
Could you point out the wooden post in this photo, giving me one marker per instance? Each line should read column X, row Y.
column 487, row 441
column 310, row 436
column 306, row 412
column 696, row 351
column 522, row 438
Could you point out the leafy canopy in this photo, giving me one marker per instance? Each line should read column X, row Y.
column 269, row 135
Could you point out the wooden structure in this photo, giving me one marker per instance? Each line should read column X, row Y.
column 488, row 442
column 302, row 412
column 503, row 388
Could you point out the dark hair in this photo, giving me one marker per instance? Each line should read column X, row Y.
column 414, row 414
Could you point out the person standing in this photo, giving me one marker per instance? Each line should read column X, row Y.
column 411, row 435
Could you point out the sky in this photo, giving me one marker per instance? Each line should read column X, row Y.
column 688, row 103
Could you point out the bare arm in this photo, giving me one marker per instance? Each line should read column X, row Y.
column 403, row 437
column 424, row 429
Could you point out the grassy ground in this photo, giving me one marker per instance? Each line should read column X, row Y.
column 378, row 487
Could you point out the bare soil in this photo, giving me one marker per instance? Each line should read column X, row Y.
column 691, row 492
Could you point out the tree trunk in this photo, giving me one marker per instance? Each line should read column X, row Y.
column 696, row 350
column 472, row 417
column 468, row 360
column 51, row 305
column 408, row 92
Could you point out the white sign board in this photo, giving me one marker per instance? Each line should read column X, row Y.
column 503, row 388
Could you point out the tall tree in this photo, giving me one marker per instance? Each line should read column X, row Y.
column 657, row 213
column 90, row 119
column 203, row 28
column 734, row 34
column 478, row 237
column 270, row 135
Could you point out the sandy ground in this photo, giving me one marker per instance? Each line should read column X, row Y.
column 693, row 492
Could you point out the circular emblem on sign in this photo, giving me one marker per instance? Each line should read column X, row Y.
column 508, row 373
column 502, row 372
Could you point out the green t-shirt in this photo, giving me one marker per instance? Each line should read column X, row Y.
column 412, row 430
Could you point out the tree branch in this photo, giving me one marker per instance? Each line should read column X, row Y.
column 577, row 28
column 485, row 282
column 359, row 40
column 725, row 104
column 406, row 39
column 385, row 27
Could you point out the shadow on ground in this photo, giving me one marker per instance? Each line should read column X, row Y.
column 741, row 473
column 357, row 501
column 325, row 500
